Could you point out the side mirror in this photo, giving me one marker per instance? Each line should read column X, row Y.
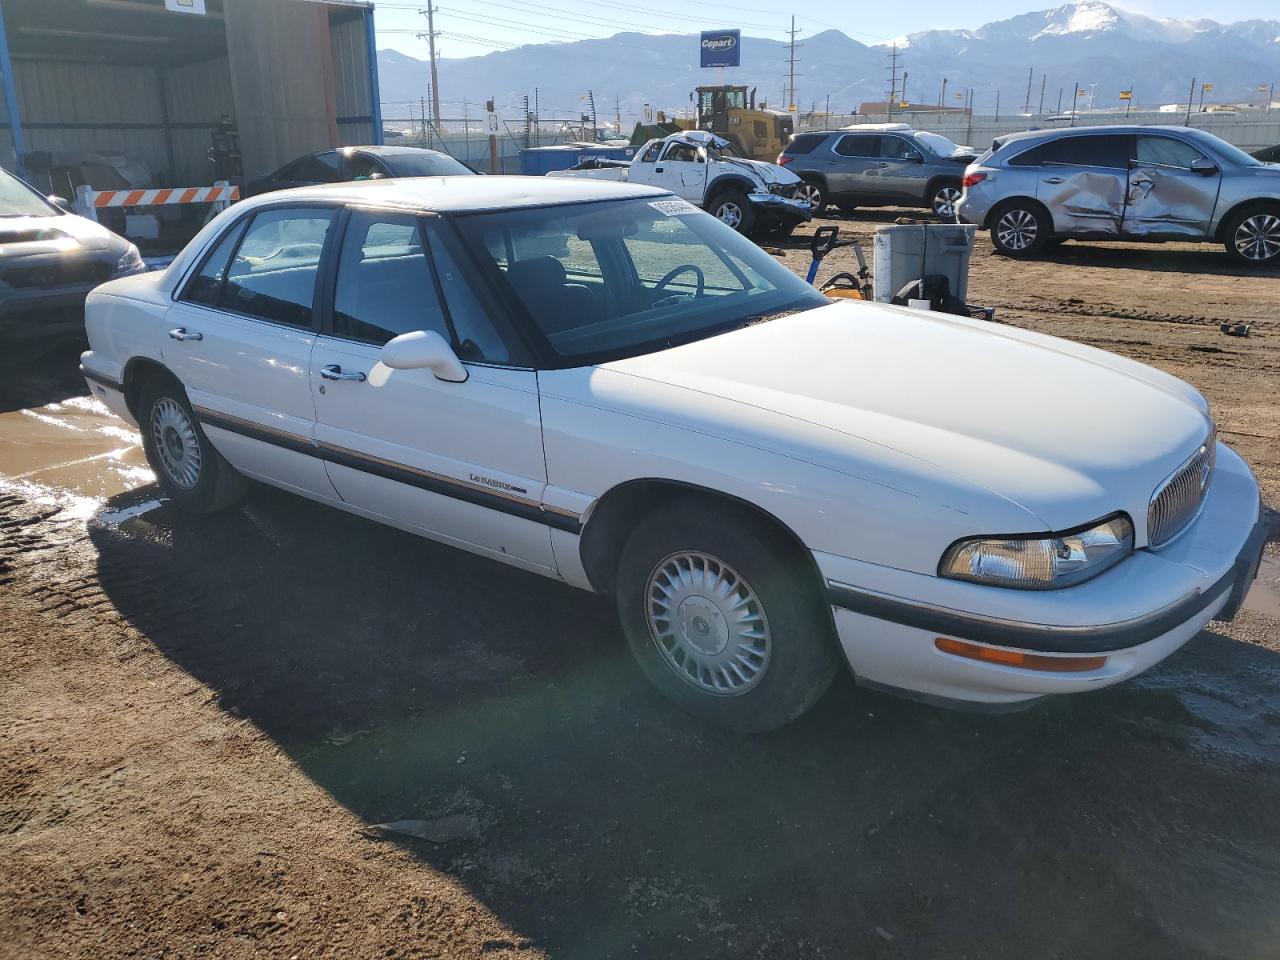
column 424, row 349
column 62, row 203
column 1201, row 165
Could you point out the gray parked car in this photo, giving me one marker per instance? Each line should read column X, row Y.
column 49, row 260
column 877, row 165
column 1124, row 183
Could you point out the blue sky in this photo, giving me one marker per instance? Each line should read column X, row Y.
column 472, row 27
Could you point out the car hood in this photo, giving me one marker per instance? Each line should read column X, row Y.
column 1066, row 432
column 65, row 233
column 765, row 171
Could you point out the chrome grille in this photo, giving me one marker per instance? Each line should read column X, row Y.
column 1177, row 501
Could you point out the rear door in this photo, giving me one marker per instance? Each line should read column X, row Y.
column 1083, row 181
column 460, row 462
column 1166, row 196
column 856, row 165
column 240, row 340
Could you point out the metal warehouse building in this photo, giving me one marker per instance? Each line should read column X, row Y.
column 197, row 90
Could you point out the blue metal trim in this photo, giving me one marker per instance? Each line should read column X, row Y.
column 11, row 99
column 375, row 93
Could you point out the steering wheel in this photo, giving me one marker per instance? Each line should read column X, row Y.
column 671, row 275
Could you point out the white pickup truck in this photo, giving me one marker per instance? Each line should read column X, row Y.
column 748, row 195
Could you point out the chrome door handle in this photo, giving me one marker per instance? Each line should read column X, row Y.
column 180, row 333
column 1053, row 180
column 334, row 372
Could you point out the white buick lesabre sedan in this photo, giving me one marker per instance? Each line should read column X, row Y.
column 601, row 384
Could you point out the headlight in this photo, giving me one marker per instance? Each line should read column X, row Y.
column 1040, row 561
column 131, row 262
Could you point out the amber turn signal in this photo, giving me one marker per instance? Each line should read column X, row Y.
column 1015, row 658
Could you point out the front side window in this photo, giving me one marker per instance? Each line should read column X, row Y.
column 273, row 274
column 651, row 153
column 1166, row 151
column 205, row 286
column 895, row 148
column 615, row 278
column 361, row 166
column 680, row 153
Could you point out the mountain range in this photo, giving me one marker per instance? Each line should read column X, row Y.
column 1086, row 42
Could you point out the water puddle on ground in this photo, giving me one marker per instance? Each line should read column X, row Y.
column 1264, row 596
column 73, row 454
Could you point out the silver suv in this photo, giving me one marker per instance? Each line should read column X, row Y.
column 1123, row 183
column 877, row 165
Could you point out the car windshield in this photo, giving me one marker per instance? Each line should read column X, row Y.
column 19, row 200
column 937, row 143
column 1230, row 151
column 426, row 165
column 617, row 278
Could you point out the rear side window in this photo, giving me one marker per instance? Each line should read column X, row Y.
column 1109, row 150
column 803, row 143
column 273, row 274
column 859, row 145
column 318, row 168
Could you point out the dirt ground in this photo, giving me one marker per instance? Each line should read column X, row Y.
column 200, row 717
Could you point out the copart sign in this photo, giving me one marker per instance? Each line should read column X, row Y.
column 721, row 48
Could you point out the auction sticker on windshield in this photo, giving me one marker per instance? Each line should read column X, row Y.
column 674, row 208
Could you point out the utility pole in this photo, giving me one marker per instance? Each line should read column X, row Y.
column 430, row 14
column 828, row 107
column 997, row 105
column 1027, row 106
column 791, row 68
column 1190, row 96
column 1270, row 97
column 1202, row 86
column 595, row 124
column 617, row 111
column 968, row 134
column 942, row 97
column 1074, row 97
column 1044, row 79
column 893, row 80
column 492, row 119
column 537, row 126
column 903, row 93
column 1129, row 101
column 528, row 127
column 1059, row 110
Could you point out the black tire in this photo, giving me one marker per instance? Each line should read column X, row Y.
column 1020, row 229
column 778, row 231
column 730, row 206
column 943, row 199
column 1252, row 235
column 813, row 191
column 165, row 416
column 848, row 209
column 790, row 669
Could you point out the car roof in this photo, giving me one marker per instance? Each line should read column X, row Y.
column 461, row 194
column 390, row 150
column 1055, row 133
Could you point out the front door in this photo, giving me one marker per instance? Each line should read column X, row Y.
column 459, row 462
column 1083, row 181
column 240, row 340
column 903, row 175
column 1166, row 196
column 682, row 169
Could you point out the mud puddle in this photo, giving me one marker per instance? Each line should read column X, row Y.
column 73, row 454
column 1264, row 596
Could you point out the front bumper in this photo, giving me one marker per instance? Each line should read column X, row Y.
column 1135, row 614
column 784, row 209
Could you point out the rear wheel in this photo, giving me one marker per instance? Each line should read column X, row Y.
column 1020, row 229
column 722, row 616
column 1252, row 236
column 188, row 469
column 848, row 209
column 943, row 200
column 731, row 207
column 814, row 194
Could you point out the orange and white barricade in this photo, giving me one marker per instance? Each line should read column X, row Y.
column 220, row 196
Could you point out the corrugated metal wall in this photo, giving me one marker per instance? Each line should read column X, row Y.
column 198, row 94
column 353, row 99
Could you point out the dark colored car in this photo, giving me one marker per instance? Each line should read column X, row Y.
column 1268, row 154
column 877, row 165
column 360, row 163
column 49, row 260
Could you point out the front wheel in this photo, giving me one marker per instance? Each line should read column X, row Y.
column 814, row 194
column 1253, row 236
column 1020, row 229
column 188, row 469
column 943, row 201
column 732, row 208
column 722, row 616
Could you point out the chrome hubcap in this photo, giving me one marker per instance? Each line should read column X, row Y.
column 176, row 443
column 1017, row 230
column 708, row 624
column 944, row 202
column 730, row 213
column 810, row 195
column 1258, row 238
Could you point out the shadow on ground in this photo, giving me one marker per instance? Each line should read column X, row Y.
column 413, row 681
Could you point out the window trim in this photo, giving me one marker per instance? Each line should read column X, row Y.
column 1012, row 161
column 246, row 221
column 1135, row 162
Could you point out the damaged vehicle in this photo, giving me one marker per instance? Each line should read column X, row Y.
column 603, row 385
column 49, row 261
column 1124, row 183
column 748, row 195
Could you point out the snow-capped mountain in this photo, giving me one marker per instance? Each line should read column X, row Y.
column 1086, row 42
